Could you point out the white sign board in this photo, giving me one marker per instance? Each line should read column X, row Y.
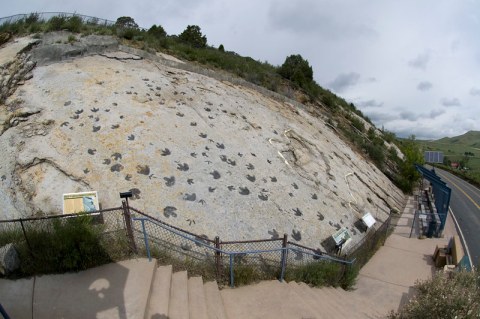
column 368, row 220
column 342, row 236
column 80, row 202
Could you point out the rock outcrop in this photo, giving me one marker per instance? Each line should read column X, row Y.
column 209, row 156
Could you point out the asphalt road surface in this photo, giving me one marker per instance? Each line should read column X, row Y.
column 465, row 205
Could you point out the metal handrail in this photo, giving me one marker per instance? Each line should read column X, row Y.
column 232, row 254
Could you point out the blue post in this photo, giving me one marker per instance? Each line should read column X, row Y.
column 145, row 238
column 231, row 271
column 3, row 313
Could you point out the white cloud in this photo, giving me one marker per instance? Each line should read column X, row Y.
column 424, row 86
column 343, row 81
column 420, row 62
column 475, row 91
column 451, row 102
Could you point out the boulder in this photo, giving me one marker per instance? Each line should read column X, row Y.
column 9, row 260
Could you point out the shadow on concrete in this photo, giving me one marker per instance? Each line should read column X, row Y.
column 406, row 298
column 94, row 293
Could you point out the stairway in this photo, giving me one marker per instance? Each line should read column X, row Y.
column 141, row 289
column 175, row 296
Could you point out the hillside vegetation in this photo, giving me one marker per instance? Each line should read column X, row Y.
column 293, row 79
column 463, row 149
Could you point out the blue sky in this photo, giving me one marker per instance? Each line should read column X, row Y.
column 413, row 67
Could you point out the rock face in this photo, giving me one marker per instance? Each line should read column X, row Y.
column 9, row 260
column 205, row 155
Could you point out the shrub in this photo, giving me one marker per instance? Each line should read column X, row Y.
column 297, row 69
column 126, row 22
column 32, row 18
column 74, row 24
column 157, row 31
column 193, row 36
column 319, row 273
column 454, row 295
column 65, row 244
column 56, row 23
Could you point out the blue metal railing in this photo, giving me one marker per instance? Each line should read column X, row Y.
column 4, row 313
column 231, row 254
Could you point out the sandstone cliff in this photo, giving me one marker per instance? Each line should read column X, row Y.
column 209, row 156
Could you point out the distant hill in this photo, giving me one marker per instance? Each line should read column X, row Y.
column 471, row 138
column 455, row 150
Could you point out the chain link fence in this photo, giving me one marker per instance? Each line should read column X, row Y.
column 67, row 242
column 366, row 248
column 45, row 16
column 79, row 241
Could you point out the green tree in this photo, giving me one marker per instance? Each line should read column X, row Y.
column 221, row 48
column 157, row 31
column 126, row 22
column 193, row 36
column 297, row 69
column 412, row 156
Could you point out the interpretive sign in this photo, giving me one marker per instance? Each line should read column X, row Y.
column 80, row 202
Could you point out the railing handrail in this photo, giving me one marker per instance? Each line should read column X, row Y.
column 84, row 17
column 168, row 225
column 58, row 216
column 247, row 252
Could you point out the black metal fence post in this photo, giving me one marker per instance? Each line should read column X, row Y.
column 128, row 225
column 284, row 256
column 387, row 228
column 217, row 258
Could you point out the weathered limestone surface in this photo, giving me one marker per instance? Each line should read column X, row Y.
column 208, row 156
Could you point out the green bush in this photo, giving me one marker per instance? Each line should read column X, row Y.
column 454, row 295
column 318, row 274
column 297, row 69
column 193, row 36
column 56, row 23
column 65, row 244
column 74, row 24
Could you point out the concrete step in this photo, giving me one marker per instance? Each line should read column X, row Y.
column 306, row 295
column 335, row 301
column 364, row 306
column 116, row 290
column 323, row 303
column 197, row 302
column 178, row 304
column 266, row 299
column 160, row 293
column 215, row 306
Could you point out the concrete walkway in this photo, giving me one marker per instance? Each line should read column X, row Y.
column 388, row 278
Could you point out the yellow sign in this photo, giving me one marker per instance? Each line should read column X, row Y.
column 80, row 202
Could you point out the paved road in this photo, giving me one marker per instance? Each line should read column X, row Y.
column 465, row 204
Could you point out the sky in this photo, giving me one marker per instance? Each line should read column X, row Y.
column 413, row 67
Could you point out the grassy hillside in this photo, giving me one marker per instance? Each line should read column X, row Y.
column 464, row 149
